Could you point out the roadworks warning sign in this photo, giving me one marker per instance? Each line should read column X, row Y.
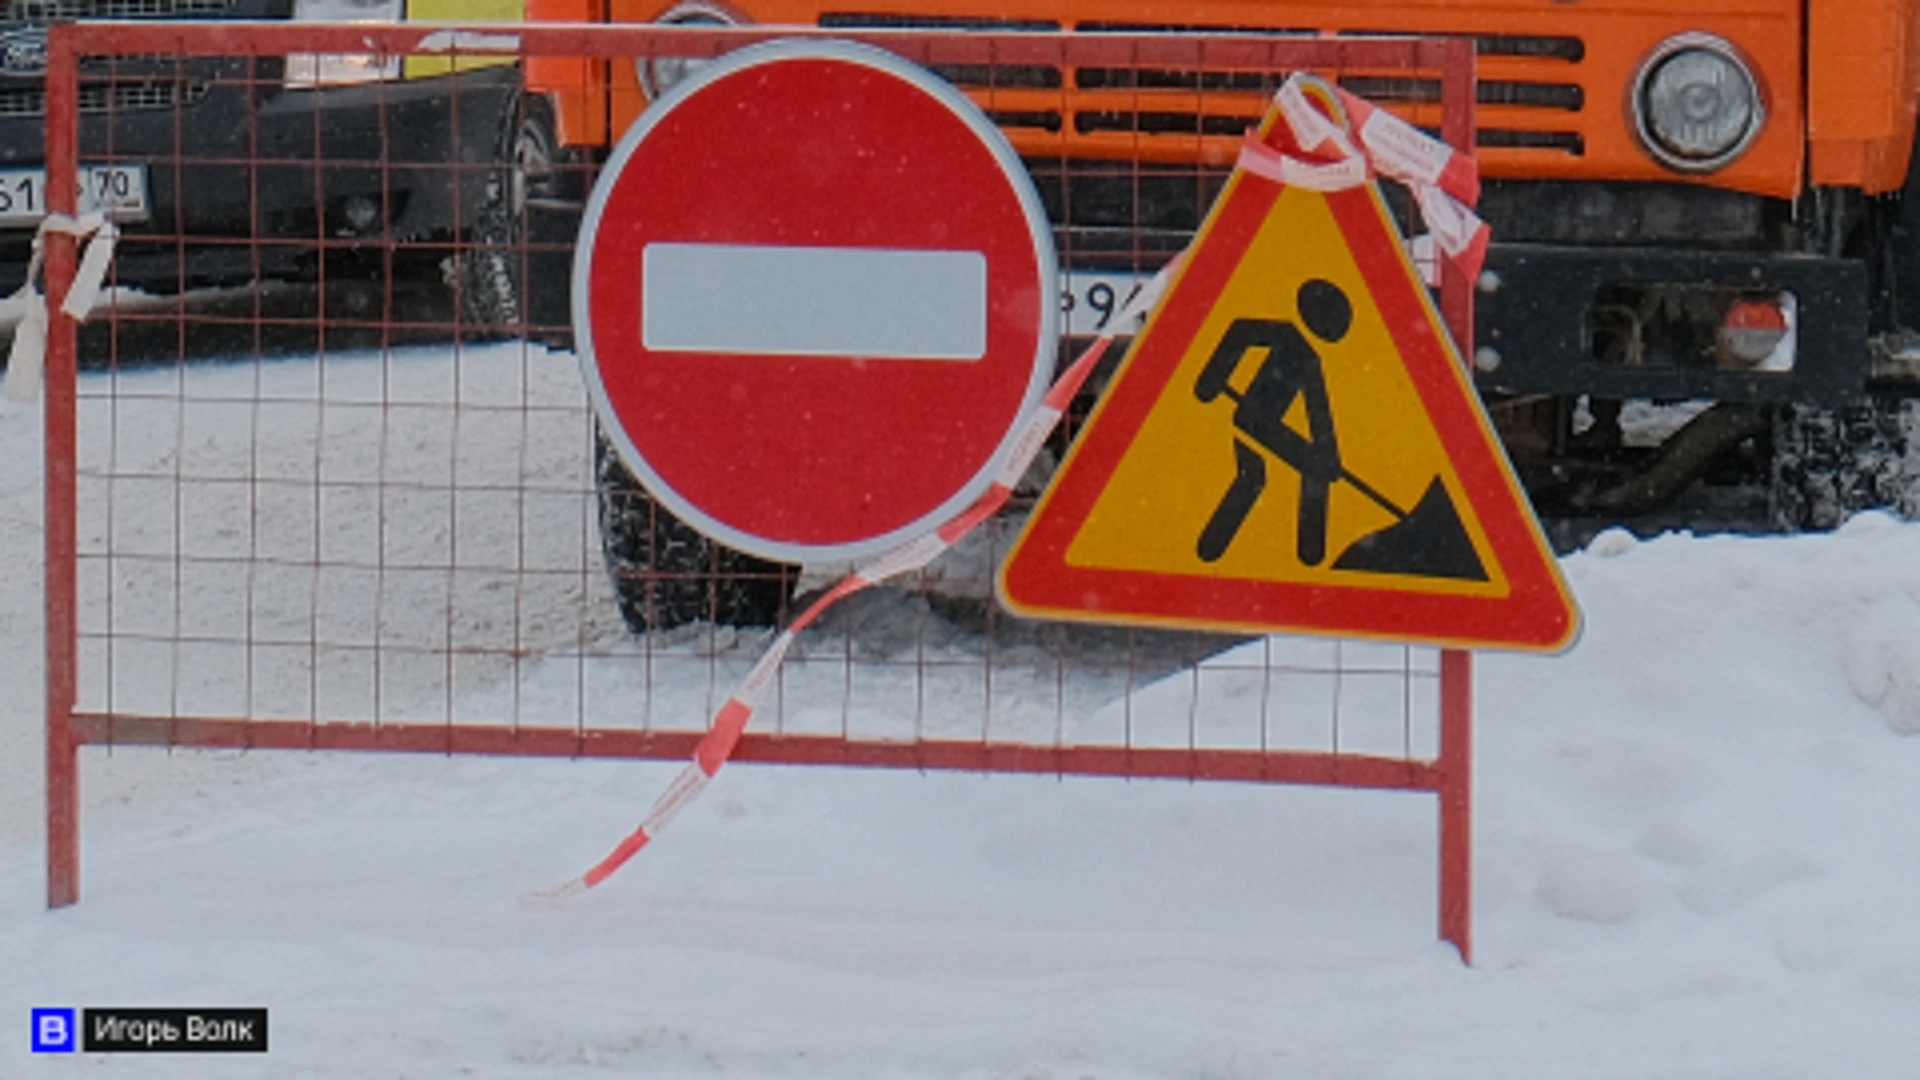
column 1293, row 445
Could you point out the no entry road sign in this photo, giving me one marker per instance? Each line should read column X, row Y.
column 813, row 294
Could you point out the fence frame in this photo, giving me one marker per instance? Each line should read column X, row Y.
column 1449, row 775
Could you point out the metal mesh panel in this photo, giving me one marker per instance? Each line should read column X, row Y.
column 324, row 496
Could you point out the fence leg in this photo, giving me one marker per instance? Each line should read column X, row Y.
column 63, row 814
column 63, row 783
column 1456, row 800
column 62, row 572
column 1456, row 665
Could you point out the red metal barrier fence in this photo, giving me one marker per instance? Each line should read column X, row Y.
column 305, row 492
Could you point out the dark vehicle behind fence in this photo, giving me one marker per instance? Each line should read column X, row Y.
column 204, row 161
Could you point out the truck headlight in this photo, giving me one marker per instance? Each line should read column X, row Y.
column 1696, row 103
column 658, row 74
column 305, row 71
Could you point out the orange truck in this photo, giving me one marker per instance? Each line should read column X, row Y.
column 1706, row 221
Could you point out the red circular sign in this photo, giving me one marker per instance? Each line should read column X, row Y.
column 814, row 295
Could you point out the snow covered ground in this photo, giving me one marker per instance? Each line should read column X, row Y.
column 1698, row 833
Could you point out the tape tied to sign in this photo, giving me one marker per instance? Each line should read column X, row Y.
column 1332, row 161
column 27, row 359
column 1445, row 183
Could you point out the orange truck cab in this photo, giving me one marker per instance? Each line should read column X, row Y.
column 1705, row 268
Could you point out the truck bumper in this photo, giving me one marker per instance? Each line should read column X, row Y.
column 1535, row 313
column 246, row 183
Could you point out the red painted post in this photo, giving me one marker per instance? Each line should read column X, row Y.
column 1456, row 800
column 1457, row 98
column 62, row 629
column 1457, row 126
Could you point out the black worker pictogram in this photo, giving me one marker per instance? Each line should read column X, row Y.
column 1428, row 540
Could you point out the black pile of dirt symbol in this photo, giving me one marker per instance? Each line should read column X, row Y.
column 1426, row 541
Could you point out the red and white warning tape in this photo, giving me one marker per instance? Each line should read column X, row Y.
column 1316, row 152
column 717, row 745
column 28, row 356
column 1445, row 184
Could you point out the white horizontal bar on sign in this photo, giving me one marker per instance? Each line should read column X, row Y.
column 814, row 301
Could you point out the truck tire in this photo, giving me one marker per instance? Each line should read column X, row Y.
column 667, row 574
column 1829, row 464
column 503, row 282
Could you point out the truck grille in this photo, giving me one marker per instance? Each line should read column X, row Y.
column 45, row 11
column 1531, row 80
column 124, row 96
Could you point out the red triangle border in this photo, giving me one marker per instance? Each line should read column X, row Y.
column 1537, row 615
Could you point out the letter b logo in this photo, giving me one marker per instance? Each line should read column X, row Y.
column 53, row 1031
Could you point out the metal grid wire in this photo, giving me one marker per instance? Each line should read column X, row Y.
column 321, row 501
column 333, row 499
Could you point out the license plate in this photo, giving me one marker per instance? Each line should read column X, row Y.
column 120, row 190
column 1091, row 300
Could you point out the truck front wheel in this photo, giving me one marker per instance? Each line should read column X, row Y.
column 1829, row 464
column 665, row 573
column 514, row 273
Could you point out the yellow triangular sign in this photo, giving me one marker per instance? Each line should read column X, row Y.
column 1293, row 445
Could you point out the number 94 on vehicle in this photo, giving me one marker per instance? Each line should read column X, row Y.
column 1090, row 300
column 120, row 190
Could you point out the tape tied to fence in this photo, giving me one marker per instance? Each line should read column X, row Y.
column 1445, row 184
column 27, row 359
column 730, row 722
